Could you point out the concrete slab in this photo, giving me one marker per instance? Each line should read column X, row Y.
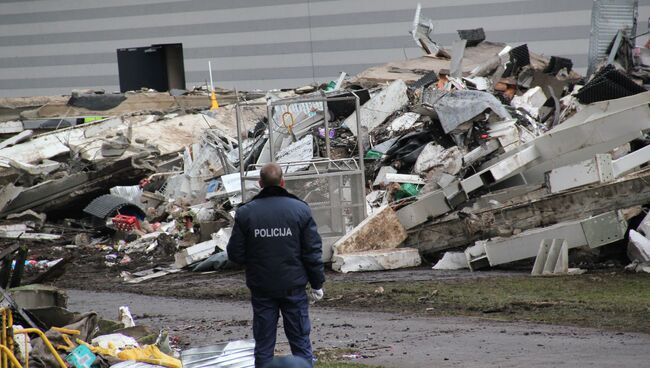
column 375, row 111
column 195, row 253
column 381, row 230
column 376, row 260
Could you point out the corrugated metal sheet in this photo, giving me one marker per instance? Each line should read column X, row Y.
column 53, row 46
column 608, row 17
column 234, row 354
column 108, row 204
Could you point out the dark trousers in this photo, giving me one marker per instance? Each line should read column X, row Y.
column 294, row 308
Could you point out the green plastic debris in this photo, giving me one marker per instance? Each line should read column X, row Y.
column 330, row 86
column 408, row 190
column 81, row 357
column 88, row 119
column 373, row 155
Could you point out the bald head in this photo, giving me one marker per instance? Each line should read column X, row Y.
column 271, row 175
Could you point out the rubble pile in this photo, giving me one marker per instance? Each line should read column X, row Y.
column 488, row 151
column 43, row 333
column 481, row 146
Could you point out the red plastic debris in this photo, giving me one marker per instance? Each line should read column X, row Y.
column 126, row 223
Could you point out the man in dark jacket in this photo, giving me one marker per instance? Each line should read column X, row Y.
column 276, row 238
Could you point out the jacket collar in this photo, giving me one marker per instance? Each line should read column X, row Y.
column 274, row 191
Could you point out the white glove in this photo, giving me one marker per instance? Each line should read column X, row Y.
column 316, row 294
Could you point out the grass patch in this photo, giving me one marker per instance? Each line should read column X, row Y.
column 617, row 301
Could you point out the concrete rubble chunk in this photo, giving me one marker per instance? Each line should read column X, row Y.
column 530, row 101
column 638, row 249
column 435, row 161
column 18, row 138
column 44, row 168
column 404, row 122
column 195, row 253
column 8, row 193
column 381, row 230
column 381, row 180
column 644, row 227
column 11, row 127
column 382, row 105
column 452, row 261
column 376, row 260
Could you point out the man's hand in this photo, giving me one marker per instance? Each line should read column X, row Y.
column 316, row 294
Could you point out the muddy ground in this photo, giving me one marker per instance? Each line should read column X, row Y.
column 404, row 318
column 388, row 339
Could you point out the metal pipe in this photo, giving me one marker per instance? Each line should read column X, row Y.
column 270, row 120
column 327, row 130
column 357, row 106
column 46, row 341
column 3, row 338
column 311, row 99
column 8, row 353
column 239, row 147
column 211, row 82
column 10, row 324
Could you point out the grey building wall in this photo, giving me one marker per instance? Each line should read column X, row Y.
column 52, row 46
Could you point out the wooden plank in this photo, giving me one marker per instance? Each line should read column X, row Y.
column 459, row 231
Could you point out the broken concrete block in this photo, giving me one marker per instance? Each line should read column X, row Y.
column 426, row 207
column 644, row 227
column 530, row 101
column 452, row 261
column 45, row 168
column 380, row 180
column 195, row 253
column 328, row 244
column 435, row 160
column 381, row 230
column 376, row 260
column 638, row 249
column 20, row 137
column 404, row 122
column 39, row 296
column 476, row 257
column 375, row 111
column 8, row 193
column 221, row 237
column 11, row 127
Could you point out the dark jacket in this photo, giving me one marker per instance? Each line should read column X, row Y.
column 276, row 238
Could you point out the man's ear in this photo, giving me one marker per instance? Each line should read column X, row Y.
column 259, row 182
column 282, row 182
